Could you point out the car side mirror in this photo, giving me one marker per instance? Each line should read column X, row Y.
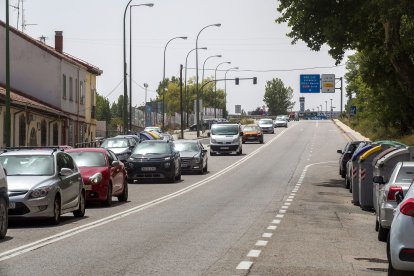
column 115, row 163
column 399, row 197
column 378, row 179
column 339, row 151
column 65, row 172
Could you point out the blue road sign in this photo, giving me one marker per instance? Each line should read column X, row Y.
column 353, row 110
column 310, row 83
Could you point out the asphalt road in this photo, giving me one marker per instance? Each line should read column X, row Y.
column 247, row 215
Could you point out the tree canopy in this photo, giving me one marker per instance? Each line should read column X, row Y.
column 277, row 97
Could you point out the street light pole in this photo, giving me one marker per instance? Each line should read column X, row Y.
column 198, row 93
column 225, row 90
column 163, row 79
column 326, row 107
column 145, row 104
column 185, row 80
column 215, row 87
column 7, row 126
column 130, row 59
column 331, row 108
column 204, row 63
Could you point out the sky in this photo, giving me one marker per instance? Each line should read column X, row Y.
column 249, row 38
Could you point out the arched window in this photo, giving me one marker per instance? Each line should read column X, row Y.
column 22, row 130
column 55, row 134
column 43, row 133
column 33, row 137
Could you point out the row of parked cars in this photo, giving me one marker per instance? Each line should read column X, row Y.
column 380, row 177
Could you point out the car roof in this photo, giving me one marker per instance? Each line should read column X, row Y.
column 407, row 164
column 103, row 150
column 185, row 141
column 30, row 152
column 155, row 141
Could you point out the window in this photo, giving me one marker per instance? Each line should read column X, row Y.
column 82, row 97
column 70, row 89
column 43, row 133
column 77, row 91
column 55, row 134
column 64, row 86
column 22, row 130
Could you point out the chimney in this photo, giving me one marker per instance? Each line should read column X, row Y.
column 59, row 41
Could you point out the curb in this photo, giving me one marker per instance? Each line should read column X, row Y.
column 347, row 133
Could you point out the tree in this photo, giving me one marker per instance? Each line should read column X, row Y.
column 277, row 97
column 103, row 110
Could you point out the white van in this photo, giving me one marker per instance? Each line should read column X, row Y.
column 226, row 138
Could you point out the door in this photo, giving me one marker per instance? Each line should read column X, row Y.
column 70, row 185
column 117, row 175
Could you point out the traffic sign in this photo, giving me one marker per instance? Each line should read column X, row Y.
column 310, row 83
column 328, row 83
column 237, row 108
column 302, row 104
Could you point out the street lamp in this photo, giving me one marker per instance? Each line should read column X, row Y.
column 215, row 86
column 326, row 107
column 198, row 94
column 163, row 77
column 130, row 59
column 185, row 80
column 331, row 108
column 225, row 89
column 204, row 63
column 145, row 104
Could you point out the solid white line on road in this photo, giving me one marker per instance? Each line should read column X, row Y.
column 254, row 253
column 245, row 265
column 267, row 235
column 261, row 243
column 79, row 229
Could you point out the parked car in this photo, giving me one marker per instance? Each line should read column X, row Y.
column 400, row 242
column 266, row 125
column 43, row 183
column 252, row 133
column 167, row 136
column 193, row 156
column 400, row 180
column 281, row 121
column 154, row 159
column 103, row 174
column 4, row 203
column 133, row 136
column 226, row 138
column 121, row 146
column 153, row 128
column 346, row 154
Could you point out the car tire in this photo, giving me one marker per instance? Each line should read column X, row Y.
column 382, row 233
column 347, row 183
column 240, row 151
column 171, row 179
column 212, row 153
column 178, row 177
column 261, row 141
column 376, row 224
column 81, row 210
column 108, row 201
column 55, row 220
column 124, row 196
column 3, row 218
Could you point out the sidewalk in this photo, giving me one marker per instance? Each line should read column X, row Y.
column 352, row 134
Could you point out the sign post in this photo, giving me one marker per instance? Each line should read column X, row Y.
column 302, row 104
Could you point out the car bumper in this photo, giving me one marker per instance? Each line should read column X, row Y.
column 401, row 238
column 225, row 148
column 252, row 138
column 136, row 171
column 281, row 125
column 31, row 208
column 96, row 192
column 189, row 165
column 268, row 129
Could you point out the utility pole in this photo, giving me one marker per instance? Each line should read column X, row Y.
column 7, row 116
column 145, row 104
column 181, row 101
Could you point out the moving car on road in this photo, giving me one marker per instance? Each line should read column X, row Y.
column 193, row 156
column 266, row 125
column 4, row 203
column 281, row 121
column 154, row 159
column 121, row 146
column 400, row 180
column 400, row 243
column 103, row 174
column 252, row 133
column 226, row 138
column 43, row 183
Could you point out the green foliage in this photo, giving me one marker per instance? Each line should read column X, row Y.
column 103, row 111
column 277, row 97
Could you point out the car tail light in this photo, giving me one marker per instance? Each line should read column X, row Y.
column 407, row 207
column 392, row 191
column 407, row 255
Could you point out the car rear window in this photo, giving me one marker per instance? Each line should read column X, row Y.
column 250, row 128
column 37, row 165
column 152, row 148
column 115, row 143
column 88, row 159
column 405, row 175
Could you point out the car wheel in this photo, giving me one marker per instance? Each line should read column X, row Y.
column 55, row 220
column 261, row 141
column 124, row 196
column 382, row 233
column 376, row 224
column 347, row 183
column 81, row 210
column 108, row 200
column 178, row 177
column 171, row 179
column 212, row 153
column 3, row 218
column 240, row 151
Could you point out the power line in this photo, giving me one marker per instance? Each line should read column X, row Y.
column 276, row 70
column 107, row 95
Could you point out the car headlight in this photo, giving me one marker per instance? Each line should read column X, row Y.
column 213, row 141
column 197, row 159
column 236, row 140
column 96, row 178
column 40, row 192
column 168, row 158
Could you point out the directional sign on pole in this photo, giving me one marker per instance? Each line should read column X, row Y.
column 310, row 83
column 237, row 109
column 302, row 104
column 328, row 83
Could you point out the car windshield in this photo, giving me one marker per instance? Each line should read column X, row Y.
column 266, row 122
column 250, row 128
column 152, row 148
column 28, row 164
column 115, row 143
column 405, row 175
column 88, row 159
column 189, row 146
column 225, row 130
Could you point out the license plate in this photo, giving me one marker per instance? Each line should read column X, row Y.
column 224, row 148
column 148, row 169
column 12, row 205
column 184, row 165
column 252, row 138
column 88, row 187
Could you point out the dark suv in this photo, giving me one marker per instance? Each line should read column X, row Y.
column 346, row 154
column 154, row 159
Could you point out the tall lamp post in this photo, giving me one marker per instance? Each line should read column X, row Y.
column 130, row 59
column 225, row 89
column 215, row 86
column 163, row 78
column 321, row 108
column 185, row 80
column 7, row 126
column 198, row 93
column 331, row 108
column 145, row 104
column 326, row 107
column 204, row 63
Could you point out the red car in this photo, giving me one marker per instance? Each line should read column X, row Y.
column 104, row 176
